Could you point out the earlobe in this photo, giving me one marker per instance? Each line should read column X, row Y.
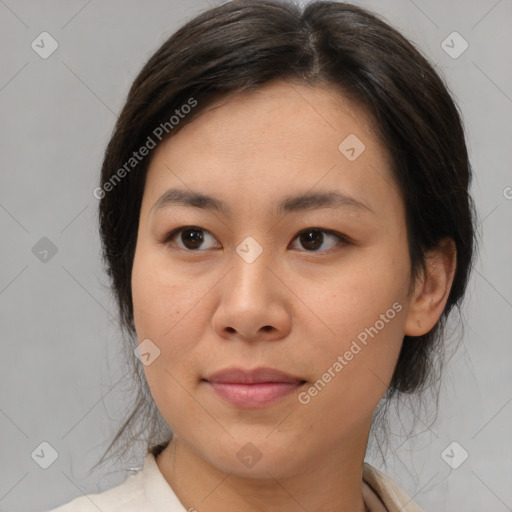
column 432, row 289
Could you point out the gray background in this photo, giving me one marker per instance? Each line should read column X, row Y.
column 60, row 347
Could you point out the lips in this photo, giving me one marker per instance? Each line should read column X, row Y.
column 256, row 376
column 253, row 388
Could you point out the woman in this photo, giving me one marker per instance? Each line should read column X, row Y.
column 285, row 217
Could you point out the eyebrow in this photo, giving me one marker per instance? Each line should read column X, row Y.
column 301, row 202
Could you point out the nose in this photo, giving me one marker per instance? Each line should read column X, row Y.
column 254, row 303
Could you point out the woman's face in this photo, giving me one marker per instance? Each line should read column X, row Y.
column 296, row 263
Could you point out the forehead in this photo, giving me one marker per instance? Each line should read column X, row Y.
column 283, row 107
column 267, row 141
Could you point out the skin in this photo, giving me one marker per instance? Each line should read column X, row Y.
column 295, row 308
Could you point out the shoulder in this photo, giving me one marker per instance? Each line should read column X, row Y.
column 128, row 497
column 391, row 495
column 145, row 491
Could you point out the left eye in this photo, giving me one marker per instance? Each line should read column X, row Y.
column 312, row 239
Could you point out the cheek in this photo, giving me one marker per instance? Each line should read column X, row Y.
column 160, row 303
column 164, row 313
column 171, row 308
column 354, row 296
column 353, row 369
column 160, row 295
column 360, row 314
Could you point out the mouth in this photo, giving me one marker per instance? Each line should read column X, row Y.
column 253, row 389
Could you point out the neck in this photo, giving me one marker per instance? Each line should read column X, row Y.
column 327, row 485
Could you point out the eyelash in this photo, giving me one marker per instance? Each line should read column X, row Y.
column 343, row 239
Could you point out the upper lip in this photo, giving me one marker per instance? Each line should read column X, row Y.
column 255, row 376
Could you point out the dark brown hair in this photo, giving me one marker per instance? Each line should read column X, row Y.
column 242, row 45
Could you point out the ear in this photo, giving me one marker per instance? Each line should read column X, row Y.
column 432, row 289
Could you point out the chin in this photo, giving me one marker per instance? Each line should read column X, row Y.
column 258, row 458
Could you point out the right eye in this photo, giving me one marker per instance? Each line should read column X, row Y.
column 191, row 238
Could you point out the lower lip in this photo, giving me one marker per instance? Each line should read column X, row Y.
column 252, row 396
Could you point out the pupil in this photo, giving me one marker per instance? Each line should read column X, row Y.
column 194, row 238
column 312, row 239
